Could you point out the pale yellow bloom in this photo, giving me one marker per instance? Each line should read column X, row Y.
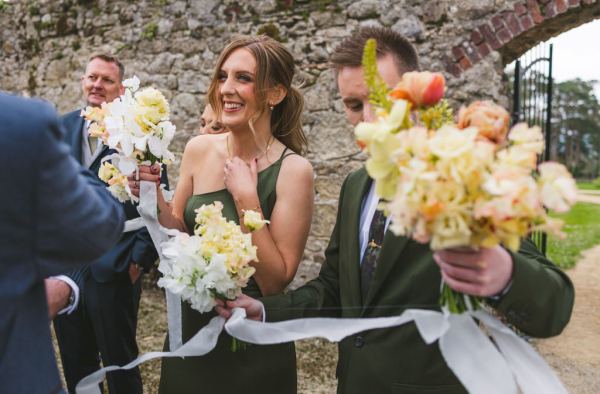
column 253, row 220
column 530, row 138
column 449, row 141
column 152, row 106
column 558, row 188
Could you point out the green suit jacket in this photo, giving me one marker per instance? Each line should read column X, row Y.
column 396, row 360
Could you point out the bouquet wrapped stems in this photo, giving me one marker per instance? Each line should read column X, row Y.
column 454, row 301
column 457, row 302
column 236, row 344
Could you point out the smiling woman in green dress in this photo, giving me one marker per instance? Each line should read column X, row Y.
column 256, row 165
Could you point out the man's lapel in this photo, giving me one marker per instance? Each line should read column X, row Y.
column 355, row 194
column 99, row 154
column 75, row 128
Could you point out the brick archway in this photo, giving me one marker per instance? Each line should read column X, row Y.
column 513, row 32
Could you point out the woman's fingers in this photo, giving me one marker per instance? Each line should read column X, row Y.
column 144, row 176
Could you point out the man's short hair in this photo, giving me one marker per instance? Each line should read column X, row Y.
column 110, row 59
column 350, row 51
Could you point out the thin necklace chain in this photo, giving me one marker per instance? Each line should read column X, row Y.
column 269, row 144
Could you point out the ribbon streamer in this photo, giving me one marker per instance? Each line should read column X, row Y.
column 505, row 366
column 133, row 225
column 149, row 214
column 479, row 365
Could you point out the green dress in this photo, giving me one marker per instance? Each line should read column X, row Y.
column 258, row 368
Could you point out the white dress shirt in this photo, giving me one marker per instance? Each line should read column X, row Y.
column 74, row 299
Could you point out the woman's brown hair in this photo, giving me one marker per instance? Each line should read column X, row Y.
column 274, row 66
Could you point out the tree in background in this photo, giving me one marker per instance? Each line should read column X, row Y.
column 576, row 123
column 575, row 119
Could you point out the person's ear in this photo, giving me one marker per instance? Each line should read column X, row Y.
column 276, row 95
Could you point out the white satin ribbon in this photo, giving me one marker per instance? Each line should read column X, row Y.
column 482, row 367
column 133, row 225
column 479, row 365
column 148, row 211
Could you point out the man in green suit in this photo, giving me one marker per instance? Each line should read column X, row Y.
column 527, row 289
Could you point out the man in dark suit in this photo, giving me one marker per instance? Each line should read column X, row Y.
column 105, row 319
column 55, row 217
column 525, row 288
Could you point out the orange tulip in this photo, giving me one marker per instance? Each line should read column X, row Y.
column 491, row 120
column 422, row 89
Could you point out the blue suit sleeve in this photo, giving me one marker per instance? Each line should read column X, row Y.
column 77, row 218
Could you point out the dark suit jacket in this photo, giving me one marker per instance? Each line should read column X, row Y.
column 133, row 246
column 54, row 217
column 396, row 360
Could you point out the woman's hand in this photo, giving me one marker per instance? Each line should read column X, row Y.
column 144, row 173
column 241, row 180
column 254, row 308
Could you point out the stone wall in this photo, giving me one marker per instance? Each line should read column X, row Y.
column 173, row 44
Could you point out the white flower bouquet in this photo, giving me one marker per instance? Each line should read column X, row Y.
column 473, row 183
column 214, row 263
column 137, row 126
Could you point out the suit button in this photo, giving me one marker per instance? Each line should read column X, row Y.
column 359, row 341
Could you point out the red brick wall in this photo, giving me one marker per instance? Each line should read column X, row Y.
column 502, row 27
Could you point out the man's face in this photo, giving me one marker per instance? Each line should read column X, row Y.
column 354, row 91
column 101, row 82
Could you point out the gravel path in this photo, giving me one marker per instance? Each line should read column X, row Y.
column 575, row 354
column 591, row 196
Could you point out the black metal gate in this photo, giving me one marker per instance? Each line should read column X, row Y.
column 532, row 101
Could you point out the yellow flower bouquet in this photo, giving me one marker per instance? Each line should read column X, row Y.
column 470, row 183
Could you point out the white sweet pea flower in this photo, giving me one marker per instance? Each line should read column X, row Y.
column 127, row 165
column 253, row 220
column 530, row 138
column 168, row 130
column 450, row 141
column 558, row 188
column 132, row 83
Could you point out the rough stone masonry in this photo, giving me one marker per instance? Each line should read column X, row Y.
column 173, row 45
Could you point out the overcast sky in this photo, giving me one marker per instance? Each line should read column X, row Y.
column 577, row 53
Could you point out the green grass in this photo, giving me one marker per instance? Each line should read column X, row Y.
column 582, row 226
column 588, row 186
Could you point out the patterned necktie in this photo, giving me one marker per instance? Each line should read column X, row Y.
column 369, row 260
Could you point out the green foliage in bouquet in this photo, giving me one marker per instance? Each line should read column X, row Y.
column 378, row 90
column 435, row 117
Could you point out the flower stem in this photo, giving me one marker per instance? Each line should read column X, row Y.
column 456, row 302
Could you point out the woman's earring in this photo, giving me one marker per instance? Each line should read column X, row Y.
column 271, row 107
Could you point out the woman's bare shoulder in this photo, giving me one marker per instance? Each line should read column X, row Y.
column 296, row 164
column 296, row 168
column 204, row 143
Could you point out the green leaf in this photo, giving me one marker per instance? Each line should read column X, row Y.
column 378, row 90
column 435, row 117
